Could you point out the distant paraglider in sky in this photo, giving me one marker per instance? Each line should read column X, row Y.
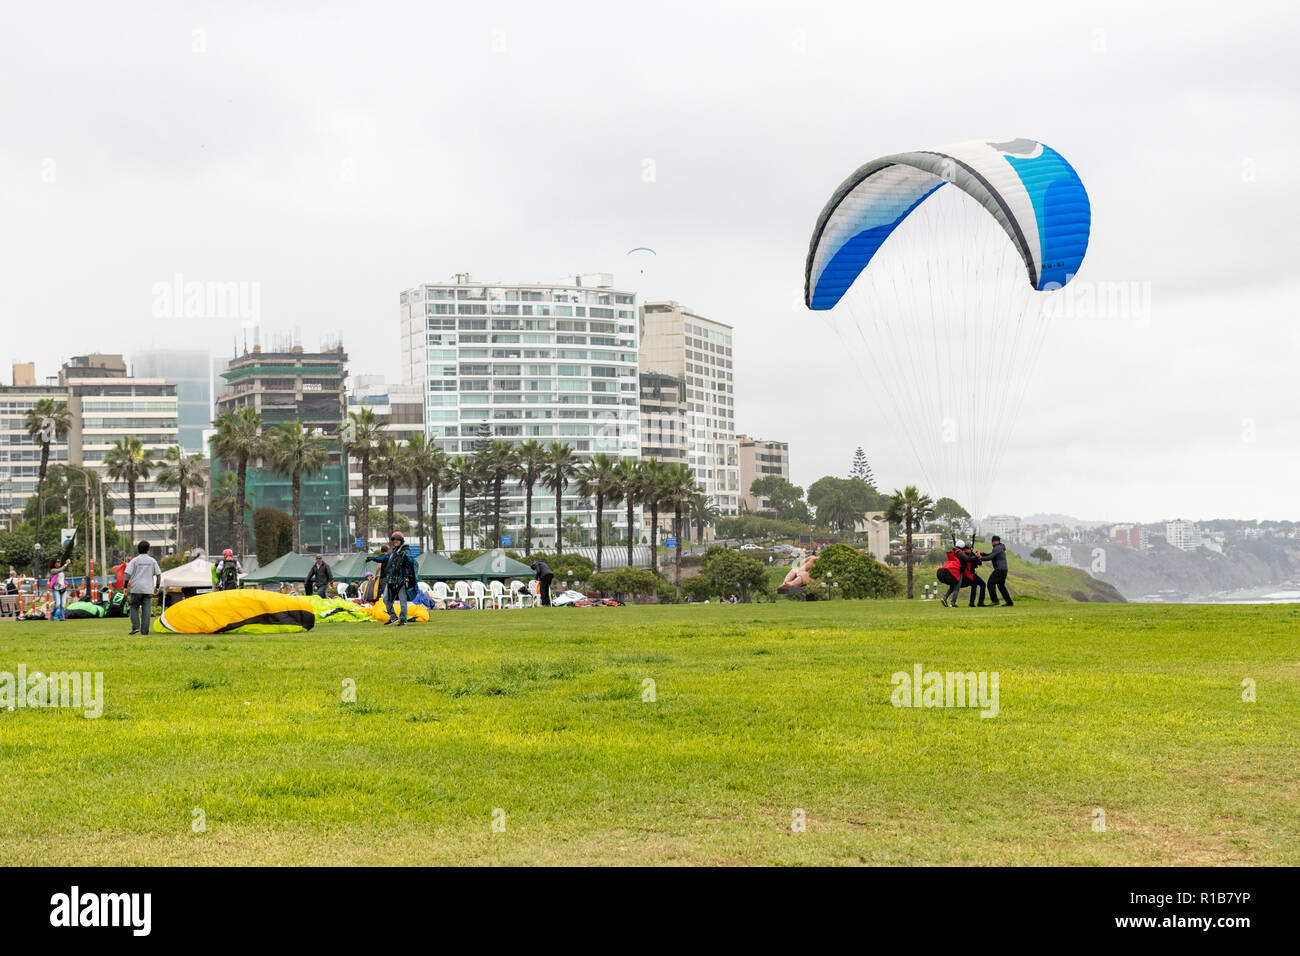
column 642, row 254
column 934, row 283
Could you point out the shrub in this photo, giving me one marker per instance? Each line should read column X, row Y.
column 628, row 582
column 854, row 573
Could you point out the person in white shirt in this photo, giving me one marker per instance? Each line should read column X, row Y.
column 143, row 577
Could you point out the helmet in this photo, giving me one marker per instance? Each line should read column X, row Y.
column 227, row 553
column 397, row 536
column 961, row 543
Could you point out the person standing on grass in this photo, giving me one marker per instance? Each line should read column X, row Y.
column 542, row 571
column 969, row 562
column 59, row 590
column 950, row 574
column 319, row 578
column 998, row 579
column 143, row 577
column 397, row 570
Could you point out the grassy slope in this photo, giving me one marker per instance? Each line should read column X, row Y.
column 761, row 709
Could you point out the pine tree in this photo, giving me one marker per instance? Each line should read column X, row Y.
column 861, row 469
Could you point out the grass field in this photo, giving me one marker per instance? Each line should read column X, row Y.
column 759, row 711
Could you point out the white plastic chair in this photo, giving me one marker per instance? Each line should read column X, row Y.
column 519, row 597
column 478, row 594
column 497, row 594
column 440, row 591
column 462, row 593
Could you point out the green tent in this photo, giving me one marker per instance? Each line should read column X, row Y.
column 353, row 567
column 438, row 567
column 496, row 564
column 288, row 567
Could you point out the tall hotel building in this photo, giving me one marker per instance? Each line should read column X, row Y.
column 548, row 362
column 680, row 344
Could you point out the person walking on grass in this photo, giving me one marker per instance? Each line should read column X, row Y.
column 998, row 579
column 319, row 578
column 143, row 578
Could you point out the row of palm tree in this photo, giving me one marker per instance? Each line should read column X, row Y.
column 424, row 468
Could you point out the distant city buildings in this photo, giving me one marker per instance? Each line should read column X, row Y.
column 190, row 370
column 760, row 459
column 20, row 454
column 1061, row 554
column 401, row 409
column 1006, row 527
column 1183, row 535
column 106, row 406
column 288, row 384
column 699, row 351
column 663, row 418
column 1132, row 535
column 548, row 362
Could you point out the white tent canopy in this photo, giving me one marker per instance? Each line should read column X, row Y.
column 195, row 574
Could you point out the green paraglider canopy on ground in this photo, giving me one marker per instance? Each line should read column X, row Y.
column 288, row 567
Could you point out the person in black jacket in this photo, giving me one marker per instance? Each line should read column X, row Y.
column 998, row 579
column 319, row 577
column 397, row 570
column 969, row 562
column 542, row 571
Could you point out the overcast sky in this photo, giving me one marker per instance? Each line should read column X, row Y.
column 332, row 155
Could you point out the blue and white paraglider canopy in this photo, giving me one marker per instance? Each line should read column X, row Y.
column 1032, row 192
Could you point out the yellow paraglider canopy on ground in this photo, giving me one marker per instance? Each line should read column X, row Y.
column 247, row 611
column 414, row 612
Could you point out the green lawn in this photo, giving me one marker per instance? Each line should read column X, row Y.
column 761, row 710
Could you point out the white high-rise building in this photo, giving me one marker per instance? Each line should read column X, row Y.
column 550, row 362
column 20, row 454
column 1183, row 535
column 699, row 351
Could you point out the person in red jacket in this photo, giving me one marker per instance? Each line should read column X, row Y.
column 950, row 574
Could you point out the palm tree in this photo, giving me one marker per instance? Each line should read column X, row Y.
column 239, row 441
column 424, row 463
column 128, row 461
column 650, row 475
column 911, row 509
column 224, row 497
column 627, row 479
column 702, row 513
column 298, row 453
column 561, row 467
column 596, row 480
column 531, row 460
column 386, row 465
column 497, row 462
column 678, row 489
column 362, row 434
column 46, row 409
column 182, row 472
column 461, row 472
